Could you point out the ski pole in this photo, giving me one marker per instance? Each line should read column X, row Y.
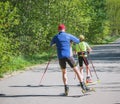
column 94, row 68
column 45, row 69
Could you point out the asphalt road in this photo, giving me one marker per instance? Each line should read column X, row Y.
column 25, row 87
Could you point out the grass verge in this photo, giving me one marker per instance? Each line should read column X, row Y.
column 20, row 63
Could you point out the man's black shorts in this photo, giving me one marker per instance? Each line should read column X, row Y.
column 70, row 61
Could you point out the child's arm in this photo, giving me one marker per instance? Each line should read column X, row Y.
column 89, row 49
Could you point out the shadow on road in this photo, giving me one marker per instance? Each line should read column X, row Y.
column 59, row 95
column 42, row 86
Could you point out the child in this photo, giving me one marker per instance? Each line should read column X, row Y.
column 82, row 50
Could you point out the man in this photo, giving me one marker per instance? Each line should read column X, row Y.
column 63, row 41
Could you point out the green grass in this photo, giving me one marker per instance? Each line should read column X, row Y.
column 21, row 62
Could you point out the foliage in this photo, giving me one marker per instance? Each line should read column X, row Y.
column 27, row 26
column 5, row 48
column 8, row 19
column 113, row 12
column 98, row 19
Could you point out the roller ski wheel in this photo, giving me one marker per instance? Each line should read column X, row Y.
column 66, row 91
column 90, row 90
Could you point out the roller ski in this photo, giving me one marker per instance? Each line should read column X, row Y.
column 90, row 90
column 92, row 83
column 66, row 90
column 86, row 89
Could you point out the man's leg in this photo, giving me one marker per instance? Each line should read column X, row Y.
column 82, row 84
column 64, row 77
column 71, row 62
column 79, row 75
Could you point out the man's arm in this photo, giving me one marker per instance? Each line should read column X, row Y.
column 74, row 39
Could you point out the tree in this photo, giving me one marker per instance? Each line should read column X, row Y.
column 8, row 20
column 113, row 11
column 98, row 19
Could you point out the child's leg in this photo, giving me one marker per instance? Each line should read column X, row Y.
column 81, row 66
column 81, row 71
column 88, row 78
column 87, row 71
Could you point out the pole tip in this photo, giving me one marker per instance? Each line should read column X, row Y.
column 98, row 81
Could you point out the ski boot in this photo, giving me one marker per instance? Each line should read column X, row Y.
column 88, row 80
column 66, row 90
column 85, row 89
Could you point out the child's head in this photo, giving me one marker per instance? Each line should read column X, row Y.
column 82, row 38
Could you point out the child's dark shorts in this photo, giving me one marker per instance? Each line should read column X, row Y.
column 81, row 60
